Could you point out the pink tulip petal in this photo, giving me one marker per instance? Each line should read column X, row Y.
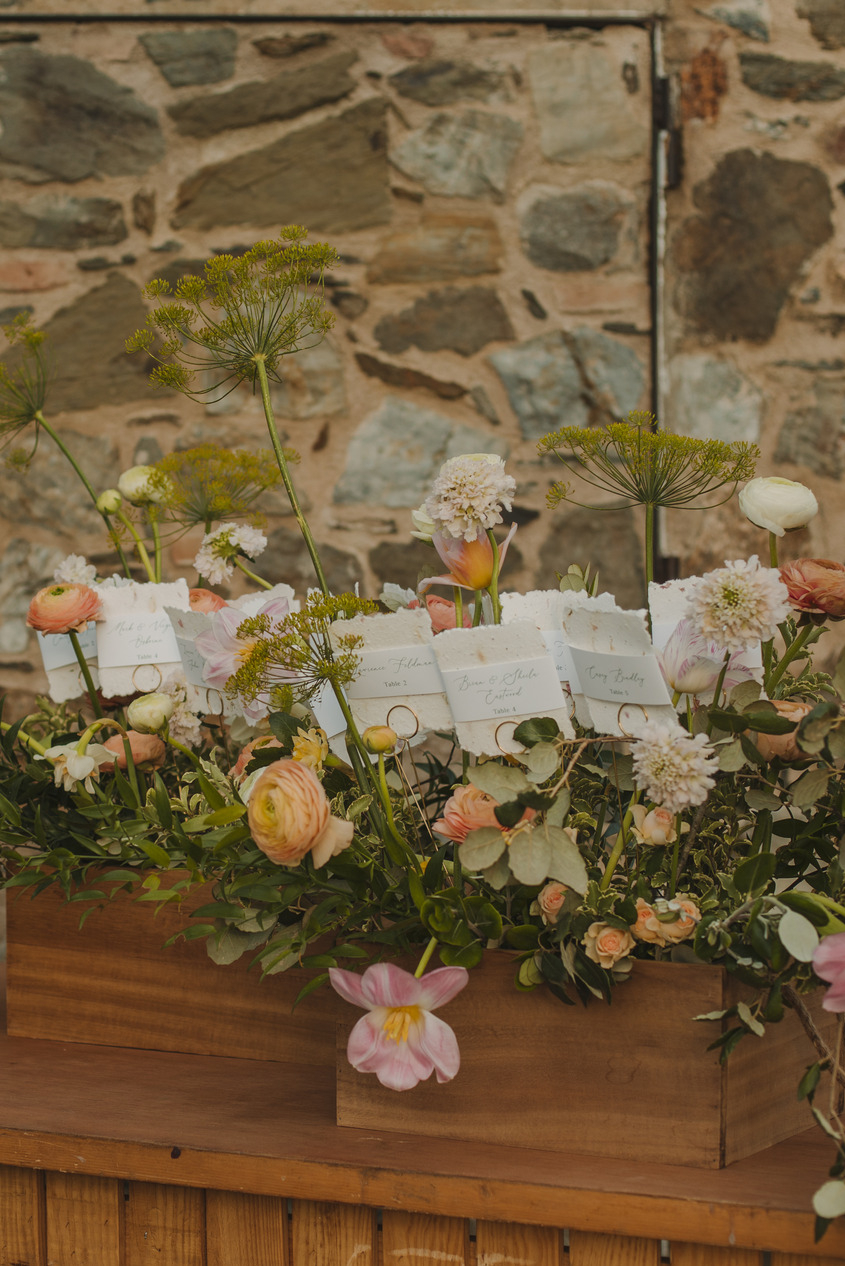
column 398, row 1065
column 829, row 958
column 348, row 985
column 834, row 999
column 440, row 986
column 364, row 1041
column 386, row 985
column 439, row 1044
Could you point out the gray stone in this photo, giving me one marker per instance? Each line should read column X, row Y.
column 202, row 56
column 574, row 230
column 65, row 120
column 441, row 247
column 773, row 76
column 175, row 269
column 751, row 17
column 144, row 212
column 289, row 94
column 583, row 105
column 815, row 436
column 61, row 499
column 147, row 451
column 827, row 21
column 606, row 539
column 397, row 451
column 312, row 383
column 403, row 376
column 7, row 315
column 331, row 176
column 461, row 321
column 575, row 379
column 711, row 400
column 284, row 46
column 436, row 82
column 761, row 219
column 484, row 405
column 461, row 156
column 287, row 561
column 64, row 224
column 24, row 569
column 348, row 302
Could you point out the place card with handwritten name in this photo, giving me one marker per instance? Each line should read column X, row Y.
column 617, row 667
column 544, row 608
column 64, row 676
column 573, row 600
column 397, row 675
column 136, row 645
column 495, row 677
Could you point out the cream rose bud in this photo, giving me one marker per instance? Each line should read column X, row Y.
column 606, row 945
column 149, row 713
column 550, row 900
column 648, row 927
column 109, row 502
column 655, row 827
column 380, row 738
column 778, row 505
column 424, row 525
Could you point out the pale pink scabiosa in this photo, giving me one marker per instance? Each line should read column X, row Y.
column 829, row 965
column 224, row 651
column 673, row 768
column 399, row 1039
column 739, row 605
column 691, row 665
column 218, row 548
column 468, row 495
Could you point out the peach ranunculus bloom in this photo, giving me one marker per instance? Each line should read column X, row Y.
column 289, row 815
column 469, row 809
column 606, row 945
column 441, row 612
column 784, row 746
column 146, row 749
column 656, row 827
column 60, row 608
column 648, row 927
column 238, row 770
column 206, row 601
column 816, row 586
column 550, row 900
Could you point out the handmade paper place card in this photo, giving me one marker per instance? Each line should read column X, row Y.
column 136, row 645
column 571, row 600
column 617, row 667
column 64, row 676
column 398, row 681
column 495, row 677
column 544, row 608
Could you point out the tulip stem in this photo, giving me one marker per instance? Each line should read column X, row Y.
column 265, row 584
column 493, row 587
column 476, row 615
column 139, row 545
column 459, row 608
column 789, row 655
column 86, row 673
column 773, row 550
column 157, row 543
column 426, row 957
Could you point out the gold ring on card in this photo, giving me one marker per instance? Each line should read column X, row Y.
column 496, row 735
column 406, row 708
column 627, row 733
column 146, row 690
column 570, row 703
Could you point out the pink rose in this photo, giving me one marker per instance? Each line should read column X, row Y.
column 648, row 927
column 442, row 613
column 550, row 900
column 204, row 600
column 656, row 827
column 469, row 809
column 684, row 926
column 605, row 945
column 60, row 608
column 289, row 816
column 146, row 749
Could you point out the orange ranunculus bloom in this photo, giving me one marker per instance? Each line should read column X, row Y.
column 60, row 608
column 206, row 601
column 816, row 585
column 289, row 816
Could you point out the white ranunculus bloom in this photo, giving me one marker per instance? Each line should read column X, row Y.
column 778, row 505
column 134, row 485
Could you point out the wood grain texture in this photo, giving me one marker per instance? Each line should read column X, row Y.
column 110, row 982
column 509, row 1244
column 710, row 1255
column 244, row 1230
column 23, row 1240
column 84, row 1220
column 164, row 1224
column 345, row 1235
column 409, row 1239
column 612, row 1250
column 802, row 1259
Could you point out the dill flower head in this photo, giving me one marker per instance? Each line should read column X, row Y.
column 256, row 307
column 673, row 768
column 208, row 483
column 24, row 379
column 739, row 605
column 218, row 548
column 468, row 495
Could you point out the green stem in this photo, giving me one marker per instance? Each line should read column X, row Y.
column 86, row 673
column 773, row 550
column 279, row 452
column 619, row 845
column 427, row 953
column 157, row 544
column 789, row 655
column 459, row 607
column 493, row 587
column 720, row 683
column 675, row 855
column 139, row 545
column 649, row 554
column 32, row 743
column 265, row 584
column 476, row 615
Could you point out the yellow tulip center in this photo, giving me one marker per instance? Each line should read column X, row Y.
column 399, row 1021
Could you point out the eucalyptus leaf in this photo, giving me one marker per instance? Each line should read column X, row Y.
column 542, row 761
column 836, row 742
column 230, row 944
column 745, row 693
column 482, row 848
column 731, row 756
column 529, row 975
column 749, row 1019
column 559, row 809
column 566, row 863
column 838, row 679
column 758, row 798
column 809, row 788
column 498, row 874
column 829, row 1200
column 536, row 730
column 529, row 856
column 798, row 936
column 502, row 782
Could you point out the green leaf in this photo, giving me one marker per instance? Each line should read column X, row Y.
column 284, row 727
column 559, row 809
column 755, row 872
column 836, row 742
column 482, row 848
column 10, row 811
column 499, row 874
column 502, row 782
column 768, row 721
column 747, row 692
column 565, row 863
column 230, row 944
column 798, row 936
column 418, row 893
column 536, row 730
column 758, row 798
column 523, row 937
column 461, row 955
column 829, row 1200
column 825, row 1124
column 542, row 761
column 808, row 1083
column 156, row 853
column 529, row 975
column 162, row 803
column 730, row 722
column 838, row 679
column 816, row 725
column 484, row 916
column 217, row 817
column 357, row 807
column 509, row 814
column 825, row 915
column 210, row 792
column 731, row 756
column 529, row 856
column 306, row 989
column 750, row 1021
column 711, row 1015
column 809, row 788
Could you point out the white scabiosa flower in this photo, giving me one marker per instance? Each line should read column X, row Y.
column 468, row 495
column 778, row 505
column 218, row 548
column 673, row 768
column 739, row 605
column 74, row 570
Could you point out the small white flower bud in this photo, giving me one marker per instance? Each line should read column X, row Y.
column 109, row 502
column 149, row 713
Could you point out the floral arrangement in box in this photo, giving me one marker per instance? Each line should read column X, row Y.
column 446, row 769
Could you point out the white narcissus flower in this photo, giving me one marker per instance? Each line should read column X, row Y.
column 71, row 766
column 673, row 768
column 149, row 713
column 778, row 505
column 74, row 570
column 739, row 605
column 468, row 495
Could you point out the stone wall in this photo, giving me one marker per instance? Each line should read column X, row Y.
column 487, row 184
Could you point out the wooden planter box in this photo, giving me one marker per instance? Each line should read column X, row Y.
column 112, row 984
column 632, row 1080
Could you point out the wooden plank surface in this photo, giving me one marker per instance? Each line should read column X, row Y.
column 331, row 1233
column 587, row 1249
column 23, row 1239
column 413, row 1239
column 84, row 1220
column 164, row 1225
column 509, row 1244
column 802, row 1259
column 244, row 1230
column 710, row 1255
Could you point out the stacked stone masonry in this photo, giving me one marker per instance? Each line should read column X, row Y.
column 488, row 186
